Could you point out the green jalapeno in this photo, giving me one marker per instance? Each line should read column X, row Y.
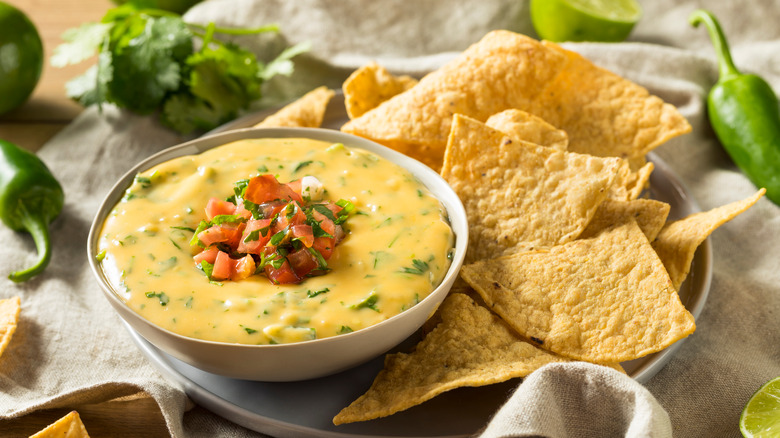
column 744, row 113
column 30, row 198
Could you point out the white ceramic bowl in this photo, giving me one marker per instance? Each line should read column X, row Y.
column 298, row 361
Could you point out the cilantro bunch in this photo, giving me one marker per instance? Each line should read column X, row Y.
column 147, row 62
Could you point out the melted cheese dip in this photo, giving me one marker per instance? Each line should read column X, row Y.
column 397, row 249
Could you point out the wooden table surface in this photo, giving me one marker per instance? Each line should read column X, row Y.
column 31, row 126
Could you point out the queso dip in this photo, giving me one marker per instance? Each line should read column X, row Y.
column 396, row 248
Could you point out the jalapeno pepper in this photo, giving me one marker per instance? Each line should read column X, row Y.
column 743, row 111
column 30, row 198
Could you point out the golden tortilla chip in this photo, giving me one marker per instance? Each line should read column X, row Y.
column 307, row 111
column 517, row 194
column 369, row 86
column 604, row 114
column 470, row 347
column 605, row 299
column 520, row 125
column 677, row 242
column 629, row 185
column 649, row 214
column 9, row 318
column 69, row 426
column 503, row 70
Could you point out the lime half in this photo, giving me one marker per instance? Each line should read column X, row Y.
column 761, row 416
column 584, row 20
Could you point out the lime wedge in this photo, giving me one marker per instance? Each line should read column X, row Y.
column 761, row 416
column 584, row 20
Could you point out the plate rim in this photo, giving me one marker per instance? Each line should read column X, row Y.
column 229, row 410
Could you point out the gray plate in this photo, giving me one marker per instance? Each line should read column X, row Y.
column 305, row 409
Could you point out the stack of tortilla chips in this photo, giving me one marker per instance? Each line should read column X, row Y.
column 565, row 261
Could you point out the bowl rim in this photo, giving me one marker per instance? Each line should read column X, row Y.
column 458, row 225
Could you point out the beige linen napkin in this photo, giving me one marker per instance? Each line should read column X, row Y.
column 70, row 347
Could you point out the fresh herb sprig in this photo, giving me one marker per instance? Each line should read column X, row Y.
column 147, row 62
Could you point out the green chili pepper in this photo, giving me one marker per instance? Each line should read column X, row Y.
column 744, row 113
column 30, row 198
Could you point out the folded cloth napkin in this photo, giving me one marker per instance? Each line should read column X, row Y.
column 580, row 400
column 70, row 347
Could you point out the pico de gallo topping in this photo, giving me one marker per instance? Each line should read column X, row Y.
column 285, row 231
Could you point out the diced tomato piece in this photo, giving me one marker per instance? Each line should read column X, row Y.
column 287, row 221
column 334, row 208
column 209, row 255
column 216, row 207
column 254, row 246
column 295, row 186
column 283, row 275
column 265, row 188
column 304, row 233
column 269, row 209
column 243, row 268
column 302, row 262
column 324, row 245
column 222, row 266
column 230, row 234
column 212, row 235
column 242, row 211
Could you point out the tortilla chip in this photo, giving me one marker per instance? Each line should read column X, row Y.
column 629, row 185
column 604, row 114
column 503, row 70
column 307, row 111
column 470, row 347
column 649, row 214
column 605, row 299
column 69, row 426
column 518, row 194
column 9, row 318
column 677, row 242
column 520, row 125
column 369, row 86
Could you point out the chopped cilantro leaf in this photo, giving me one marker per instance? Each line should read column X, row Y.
column 312, row 294
column 161, row 296
column 195, row 241
column 252, row 236
column 227, row 219
column 323, row 265
column 324, row 210
column 419, row 267
column 368, row 302
column 301, row 165
column 277, row 238
column 206, row 267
